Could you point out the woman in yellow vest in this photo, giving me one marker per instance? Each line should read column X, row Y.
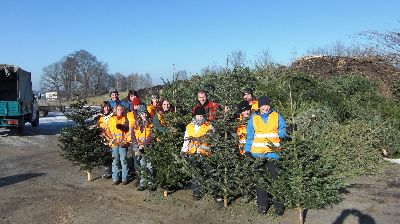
column 141, row 137
column 102, row 121
column 154, row 105
column 119, row 140
column 195, row 143
column 264, row 133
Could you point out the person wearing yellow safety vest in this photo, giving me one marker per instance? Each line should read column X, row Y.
column 119, row 140
column 264, row 133
column 195, row 145
column 243, row 112
column 141, row 137
column 102, row 121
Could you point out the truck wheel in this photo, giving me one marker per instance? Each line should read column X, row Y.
column 21, row 126
column 42, row 113
column 35, row 123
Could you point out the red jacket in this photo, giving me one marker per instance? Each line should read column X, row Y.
column 211, row 109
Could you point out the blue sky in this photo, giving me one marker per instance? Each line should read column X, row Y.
column 150, row 36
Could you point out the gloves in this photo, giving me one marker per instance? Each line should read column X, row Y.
column 183, row 155
column 122, row 127
column 248, row 154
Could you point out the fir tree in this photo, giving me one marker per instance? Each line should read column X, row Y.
column 306, row 180
column 81, row 143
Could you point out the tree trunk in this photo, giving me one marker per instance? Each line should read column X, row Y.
column 89, row 175
column 301, row 215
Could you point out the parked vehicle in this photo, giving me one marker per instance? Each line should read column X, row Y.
column 18, row 104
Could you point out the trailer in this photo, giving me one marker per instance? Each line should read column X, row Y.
column 18, row 104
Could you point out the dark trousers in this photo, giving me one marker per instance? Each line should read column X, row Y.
column 264, row 199
column 194, row 183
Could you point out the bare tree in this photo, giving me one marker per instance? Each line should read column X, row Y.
column 181, row 75
column 386, row 44
column 237, row 59
column 263, row 60
column 52, row 78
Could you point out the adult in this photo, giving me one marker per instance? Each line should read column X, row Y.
column 210, row 107
column 120, row 137
column 114, row 100
column 249, row 97
column 264, row 133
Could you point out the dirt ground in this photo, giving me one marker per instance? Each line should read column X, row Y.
column 38, row 186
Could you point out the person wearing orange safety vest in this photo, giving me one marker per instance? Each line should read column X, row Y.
column 265, row 130
column 141, row 137
column 102, row 121
column 248, row 96
column 119, row 141
column 154, row 105
column 195, row 145
column 243, row 111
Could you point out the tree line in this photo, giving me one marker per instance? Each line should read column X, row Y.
column 81, row 74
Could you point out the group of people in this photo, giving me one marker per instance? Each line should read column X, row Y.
column 129, row 124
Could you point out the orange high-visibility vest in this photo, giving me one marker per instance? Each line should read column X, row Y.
column 196, row 146
column 266, row 138
column 142, row 136
column 254, row 105
column 115, row 132
column 151, row 109
column 241, row 132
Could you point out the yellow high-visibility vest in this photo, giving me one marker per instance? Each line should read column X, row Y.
column 196, row 146
column 266, row 138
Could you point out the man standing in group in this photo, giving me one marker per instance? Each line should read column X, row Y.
column 248, row 96
column 264, row 133
column 114, row 100
column 209, row 106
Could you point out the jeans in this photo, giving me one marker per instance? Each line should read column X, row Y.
column 145, row 176
column 119, row 155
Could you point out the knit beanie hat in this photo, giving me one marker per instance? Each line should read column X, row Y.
column 199, row 111
column 263, row 100
column 135, row 102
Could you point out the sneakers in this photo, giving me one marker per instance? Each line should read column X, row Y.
column 106, row 176
column 279, row 212
column 115, row 182
column 141, row 188
column 124, row 182
column 196, row 197
column 263, row 210
column 220, row 202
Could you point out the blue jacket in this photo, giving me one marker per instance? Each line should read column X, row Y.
column 250, row 135
column 118, row 102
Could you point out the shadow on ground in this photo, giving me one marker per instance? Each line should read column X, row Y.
column 10, row 180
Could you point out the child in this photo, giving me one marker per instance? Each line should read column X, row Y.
column 141, row 137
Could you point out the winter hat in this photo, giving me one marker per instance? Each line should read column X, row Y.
column 244, row 105
column 263, row 100
column 142, row 109
column 135, row 102
column 199, row 111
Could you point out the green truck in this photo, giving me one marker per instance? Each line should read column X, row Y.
column 18, row 104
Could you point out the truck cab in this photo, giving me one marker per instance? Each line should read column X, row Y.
column 18, row 104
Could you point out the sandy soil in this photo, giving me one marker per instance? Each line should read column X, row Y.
column 38, row 186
